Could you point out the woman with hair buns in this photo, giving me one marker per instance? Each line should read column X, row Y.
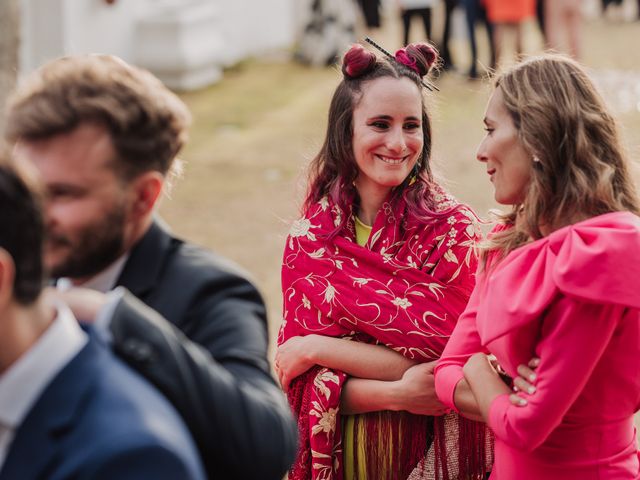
column 559, row 280
column 374, row 277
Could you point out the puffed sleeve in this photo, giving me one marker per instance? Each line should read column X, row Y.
column 574, row 336
column 463, row 343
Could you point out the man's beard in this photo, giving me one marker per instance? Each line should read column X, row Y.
column 97, row 247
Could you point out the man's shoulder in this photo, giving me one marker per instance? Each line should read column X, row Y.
column 171, row 275
column 175, row 256
column 197, row 259
column 120, row 391
column 106, row 414
column 190, row 286
column 122, row 402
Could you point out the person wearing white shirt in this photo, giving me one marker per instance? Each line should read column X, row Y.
column 104, row 137
column 68, row 407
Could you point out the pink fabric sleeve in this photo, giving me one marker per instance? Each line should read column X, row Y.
column 574, row 336
column 463, row 343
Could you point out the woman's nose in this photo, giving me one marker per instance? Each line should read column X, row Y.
column 481, row 156
column 396, row 142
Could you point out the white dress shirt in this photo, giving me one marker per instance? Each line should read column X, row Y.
column 23, row 383
column 102, row 282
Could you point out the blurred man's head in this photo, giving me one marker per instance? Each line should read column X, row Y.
column 104, row 135
column 21, row 236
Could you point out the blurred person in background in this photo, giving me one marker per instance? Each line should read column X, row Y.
column 606, row 3
column 416, row 8
column 541, row 20
column 445, row 52
column 370, row 10
column 328, row 27
column 68, row 407
column 618, row 6
column 104, row 137
column 475, row 11
column 563, row 20
column 508, row 17
column 374, row 277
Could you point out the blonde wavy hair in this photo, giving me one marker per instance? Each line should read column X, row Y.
column 582, row 171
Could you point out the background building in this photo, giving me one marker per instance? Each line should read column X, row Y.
column 185, row 42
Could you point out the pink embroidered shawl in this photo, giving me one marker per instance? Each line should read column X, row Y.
column 405, row 289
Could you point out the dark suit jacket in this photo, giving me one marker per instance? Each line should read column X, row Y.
column 99, row 420
column 213, row 366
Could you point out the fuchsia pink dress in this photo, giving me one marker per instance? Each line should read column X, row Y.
column 572, row 299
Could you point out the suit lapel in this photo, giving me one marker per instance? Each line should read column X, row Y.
column 37, row 443
column 146, row 261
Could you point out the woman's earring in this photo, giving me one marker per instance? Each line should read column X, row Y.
column 535, row 159
column 415, row 171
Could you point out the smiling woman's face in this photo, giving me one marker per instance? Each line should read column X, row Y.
column 387, row 133
column 508, row 164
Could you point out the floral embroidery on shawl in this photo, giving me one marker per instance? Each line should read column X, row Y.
column 405, row 289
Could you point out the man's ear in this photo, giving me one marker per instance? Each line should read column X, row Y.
column 146, row 190
column 7, row 278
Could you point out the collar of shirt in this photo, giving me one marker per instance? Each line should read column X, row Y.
column 103, row 281
column 24, row 381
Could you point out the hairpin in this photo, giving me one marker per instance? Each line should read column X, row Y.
column 428, row 85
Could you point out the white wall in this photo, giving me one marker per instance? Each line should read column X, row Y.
column 41, row 32
column 252, row 27
column 51, row 28
column 93, row 26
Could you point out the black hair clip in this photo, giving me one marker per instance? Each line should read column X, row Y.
column 428, row 85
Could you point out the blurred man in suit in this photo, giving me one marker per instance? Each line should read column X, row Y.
column 104, row 136
column 68, row 407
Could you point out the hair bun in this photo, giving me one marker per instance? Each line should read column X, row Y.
column 357, row 61
column 422, row 55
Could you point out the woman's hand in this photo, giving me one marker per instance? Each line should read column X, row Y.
column 293, row 358
column 416, row 392
column 524, row 383
column 477, row 363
